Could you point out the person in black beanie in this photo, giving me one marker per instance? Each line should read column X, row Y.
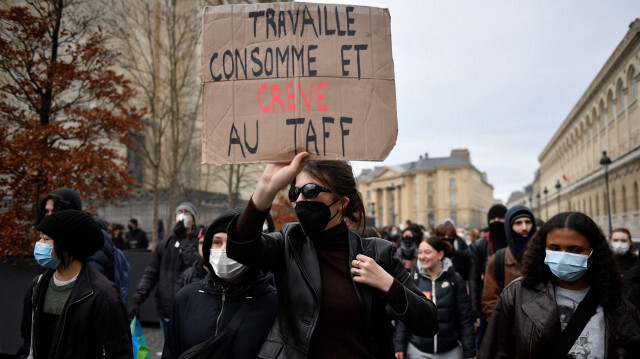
column 483, row 248
column 67, row 198
column 72, row 310
column 519, row 226
column 172, row 256
column 204, row 309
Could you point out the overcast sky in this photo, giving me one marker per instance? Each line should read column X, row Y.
column 495, row 77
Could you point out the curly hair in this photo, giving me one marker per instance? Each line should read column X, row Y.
column 601, row 275
column 338, row 177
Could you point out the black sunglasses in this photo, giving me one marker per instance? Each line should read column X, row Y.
column 309, row 191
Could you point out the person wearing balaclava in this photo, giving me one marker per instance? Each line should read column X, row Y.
column 203, row 309
column 519, row 225
column 172, row 256
column 481, row 250
column 71, row 310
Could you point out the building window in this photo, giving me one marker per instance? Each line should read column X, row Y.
column 624, row 199
column 621, row 103
column 612, row 106
column 452, row 183
column 431, row 219
column 603, row 115
column 613, row 202
column 430, row 201
column 597, row 206
column 368, row 194
column 452, row 199
column 429, row 187
column 634, row 85
column 454, row 216
column 636, row 196
column 452, row 171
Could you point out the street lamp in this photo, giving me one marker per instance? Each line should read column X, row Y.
column 605, row 161
column 546, row 203
column 558, row 186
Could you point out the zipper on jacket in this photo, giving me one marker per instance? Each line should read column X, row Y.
column 224, row 291
column 433, row 299
column 64, row 320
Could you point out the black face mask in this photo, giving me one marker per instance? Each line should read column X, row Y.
column 497, row 232
column 314, row 216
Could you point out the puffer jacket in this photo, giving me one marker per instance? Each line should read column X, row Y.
column 171, row 257
column 526, row 324
column 93, row 324
column 449, row 293
column 204, row 309
column 290, row 255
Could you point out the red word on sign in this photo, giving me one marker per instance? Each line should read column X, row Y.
column 290, row 96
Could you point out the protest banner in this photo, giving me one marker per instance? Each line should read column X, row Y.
column 282, row 78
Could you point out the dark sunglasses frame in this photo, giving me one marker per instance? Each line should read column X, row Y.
column 309, row 191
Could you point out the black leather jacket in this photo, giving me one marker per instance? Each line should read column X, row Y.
column 93, row 324
column 526, row 324
column 293, row 260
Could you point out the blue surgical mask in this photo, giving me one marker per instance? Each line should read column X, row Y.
column 567, row 266
column 42, row 253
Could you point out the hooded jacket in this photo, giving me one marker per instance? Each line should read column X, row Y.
column 526, row 324
column 449, row 292
column 202, row 310
column 294, row 261
column 515, row 243
column 93, row 321
column 481, row 250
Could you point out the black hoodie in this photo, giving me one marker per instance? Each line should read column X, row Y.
column 517, row 244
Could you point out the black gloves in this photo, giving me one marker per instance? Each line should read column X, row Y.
column 134, row 310
column 179, row 230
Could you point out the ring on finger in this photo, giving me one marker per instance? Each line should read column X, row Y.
column 358, row 263
column 356, row 272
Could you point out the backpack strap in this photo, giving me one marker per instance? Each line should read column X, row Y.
column 499, row 267
column 586, row 309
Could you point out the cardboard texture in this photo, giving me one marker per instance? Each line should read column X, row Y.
column 283, row 78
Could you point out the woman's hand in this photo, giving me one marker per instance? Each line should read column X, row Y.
column 365, row 270
column 274, row 178
column 399, row 355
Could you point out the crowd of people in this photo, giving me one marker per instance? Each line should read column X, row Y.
column 327, row 286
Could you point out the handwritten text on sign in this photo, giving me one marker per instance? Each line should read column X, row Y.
column 281, row 78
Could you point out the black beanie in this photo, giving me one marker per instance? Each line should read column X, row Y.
column 497, row 210
column 73, row 231
column 219, row 225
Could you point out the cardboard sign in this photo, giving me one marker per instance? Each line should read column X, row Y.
column 283, row 78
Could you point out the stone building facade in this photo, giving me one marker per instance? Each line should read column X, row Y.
column 427, row 192
column 605, row 118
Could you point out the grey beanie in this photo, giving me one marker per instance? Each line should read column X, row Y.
column 189, row 207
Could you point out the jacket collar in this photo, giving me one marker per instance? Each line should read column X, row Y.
column 537, row 308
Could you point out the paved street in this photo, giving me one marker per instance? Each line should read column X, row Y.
column 155, row 340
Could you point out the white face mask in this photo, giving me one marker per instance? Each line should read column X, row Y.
column 225, row 267
column 619, row 248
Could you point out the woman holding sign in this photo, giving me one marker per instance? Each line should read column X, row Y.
column 333, row 286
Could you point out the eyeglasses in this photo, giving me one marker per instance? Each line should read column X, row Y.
column 309, row 191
